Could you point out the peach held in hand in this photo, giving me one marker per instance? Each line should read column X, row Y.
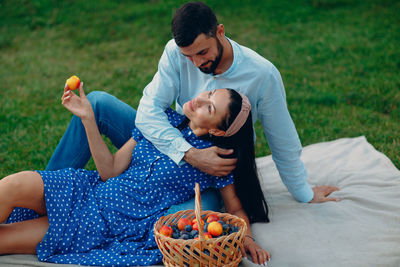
column 73, row 82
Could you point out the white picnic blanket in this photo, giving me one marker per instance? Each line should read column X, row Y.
column 363, row 229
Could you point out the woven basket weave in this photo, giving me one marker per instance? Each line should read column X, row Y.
column 221, row 251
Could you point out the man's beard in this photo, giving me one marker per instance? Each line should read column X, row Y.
column 214, row 63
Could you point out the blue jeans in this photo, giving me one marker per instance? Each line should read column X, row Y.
column 115, row 120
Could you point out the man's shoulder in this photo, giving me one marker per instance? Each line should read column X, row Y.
column 171, row 46
column 252, row 59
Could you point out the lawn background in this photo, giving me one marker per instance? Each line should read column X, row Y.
column 339, row 60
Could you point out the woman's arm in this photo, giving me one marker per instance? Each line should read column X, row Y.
column 107, row 165
column 234, row 207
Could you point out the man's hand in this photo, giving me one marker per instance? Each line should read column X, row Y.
column 322, row 191
column 208, row 160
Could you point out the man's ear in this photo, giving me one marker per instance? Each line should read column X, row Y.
column 216, row 132
column 220, row 30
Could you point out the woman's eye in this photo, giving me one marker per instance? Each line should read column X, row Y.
column 209, row 109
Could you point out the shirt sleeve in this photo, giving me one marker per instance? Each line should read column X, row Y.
column 158, row 95
column 282, row 137
column 221, row 182
column 137, row 135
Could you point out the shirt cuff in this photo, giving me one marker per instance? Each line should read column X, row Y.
column 303, row 194
column 180, row 146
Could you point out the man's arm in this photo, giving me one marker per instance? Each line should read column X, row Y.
column 158, row 95
column 285, row 143
column 152, row 121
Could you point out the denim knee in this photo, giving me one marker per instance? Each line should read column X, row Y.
column 98, row 99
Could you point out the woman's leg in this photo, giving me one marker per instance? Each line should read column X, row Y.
column 22, row 237
column 23, row 189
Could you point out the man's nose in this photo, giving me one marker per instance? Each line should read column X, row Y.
column 198, row 61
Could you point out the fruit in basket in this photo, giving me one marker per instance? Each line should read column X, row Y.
column 188, row 228
column 207, row 235
column 213, row 218
column 194, row 233
column 182, row 223
column 166, row 231
column 195, row 226
column 214, row 228
column 195, row 221
column 73, row 82
column 205, row 227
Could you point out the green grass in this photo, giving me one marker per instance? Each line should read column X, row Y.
column 339, row 60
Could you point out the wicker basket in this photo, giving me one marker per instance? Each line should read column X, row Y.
column 221, row 251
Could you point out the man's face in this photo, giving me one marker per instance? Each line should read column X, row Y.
column 205, row 53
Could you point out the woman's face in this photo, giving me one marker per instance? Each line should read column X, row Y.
column 207, row 110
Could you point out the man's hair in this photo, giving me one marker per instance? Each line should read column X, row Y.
column 191, row 20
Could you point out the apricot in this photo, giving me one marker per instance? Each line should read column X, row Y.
column 195, row 225
column 207, row 235
column 166, row 230
column 182, row 223
column 73, row 82
column 214, row 228
column 212, row 218
column 195, row 221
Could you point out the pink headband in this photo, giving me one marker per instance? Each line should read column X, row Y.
column 240, row 118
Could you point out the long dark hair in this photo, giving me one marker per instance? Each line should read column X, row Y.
column 247, row 184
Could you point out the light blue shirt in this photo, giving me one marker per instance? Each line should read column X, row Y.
column 179, row 80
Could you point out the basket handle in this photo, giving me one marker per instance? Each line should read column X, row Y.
column 197, row 210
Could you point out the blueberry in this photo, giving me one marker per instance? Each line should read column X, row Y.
column 225, row 227
column 205, row 227
column 183, row 232
column 175, row 235
column 184, row 236
column 194, row 232
column 188, row 228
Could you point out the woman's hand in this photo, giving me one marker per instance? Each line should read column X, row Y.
column 78, row 105
column 258, row 254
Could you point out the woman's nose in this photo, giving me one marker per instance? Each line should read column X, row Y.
column 200, row 101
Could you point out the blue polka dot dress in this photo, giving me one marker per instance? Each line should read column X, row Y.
column 110, row 223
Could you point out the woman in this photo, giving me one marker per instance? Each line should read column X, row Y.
column 87, row 218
